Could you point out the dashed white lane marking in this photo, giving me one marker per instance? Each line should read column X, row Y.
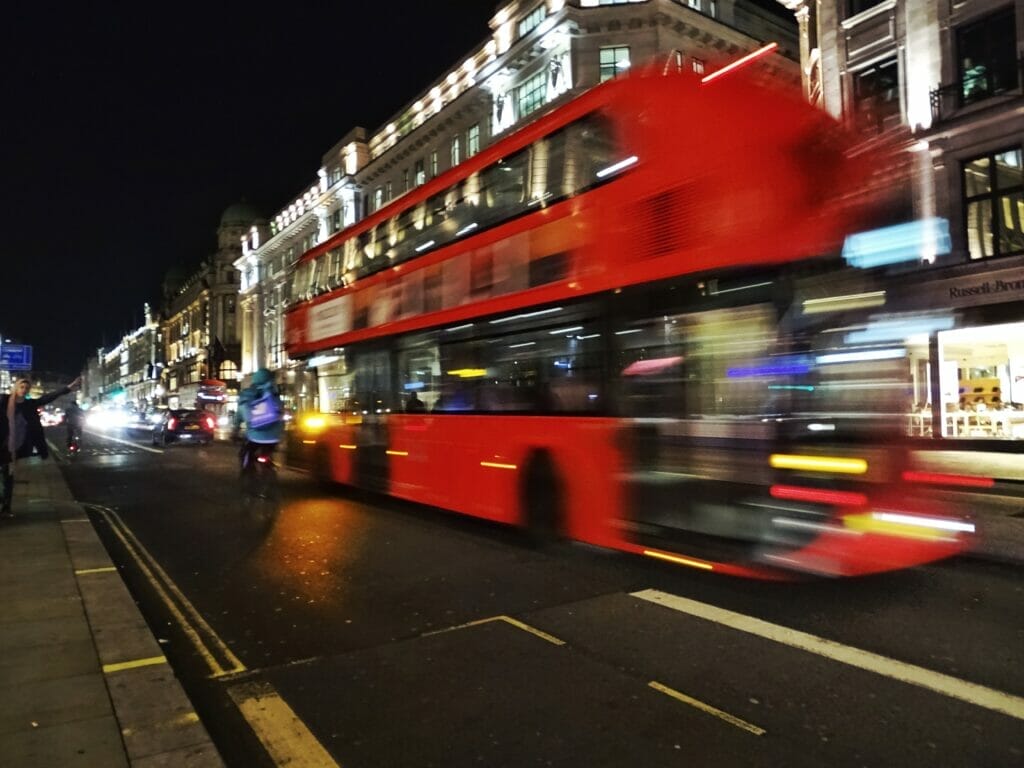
column 132, row 443
column 285, row 737
column 972, row 693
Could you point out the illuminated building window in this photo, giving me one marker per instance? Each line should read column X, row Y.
column 987, row 56
column 405, row 180
column 532, row 20
column 698, row 66
column 456, row 151
column 387, row 192
column 473, row 140
column 876, row 96
column 530, row 95
column 378, row 198
column 433, row 164
column 994, row 203
column 859, row 6
column 419, row 174
column 614, row 61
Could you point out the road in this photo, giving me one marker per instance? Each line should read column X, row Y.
column 354, row 631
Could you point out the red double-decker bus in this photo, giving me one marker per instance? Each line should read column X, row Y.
column 614, row 325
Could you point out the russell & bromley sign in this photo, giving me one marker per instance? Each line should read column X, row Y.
column 973, row 290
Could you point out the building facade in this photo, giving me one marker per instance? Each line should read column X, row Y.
column 537, row 54
column 200, row 330
column 945, row 77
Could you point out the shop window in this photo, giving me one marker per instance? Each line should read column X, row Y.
column 981, row 379
column 993, row 187
column 987, row 57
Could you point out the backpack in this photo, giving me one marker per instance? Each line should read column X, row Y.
column 265, row 410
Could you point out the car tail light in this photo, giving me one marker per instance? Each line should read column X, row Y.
column 209, row 422
column 172, row 423
column 262, row 459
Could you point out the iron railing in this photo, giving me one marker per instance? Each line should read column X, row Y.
column 974, row 88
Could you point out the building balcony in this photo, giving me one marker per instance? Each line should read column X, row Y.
column 975, row 88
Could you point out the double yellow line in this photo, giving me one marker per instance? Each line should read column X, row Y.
column 218, row 657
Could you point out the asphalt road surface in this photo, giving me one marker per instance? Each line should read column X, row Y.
column 352, row 630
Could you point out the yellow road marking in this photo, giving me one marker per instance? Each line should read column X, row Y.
column 134, row 664
column 105, row 569
column 731, row 719
column 972, row 693
column 285, row 737
column 508, row 620
column 144, row 560
column 180, row 721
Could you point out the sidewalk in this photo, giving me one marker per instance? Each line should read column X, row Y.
column 83, row 682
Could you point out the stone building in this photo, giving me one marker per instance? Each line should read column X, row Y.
column 199, row 329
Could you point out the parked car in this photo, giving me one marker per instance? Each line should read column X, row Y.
column 186, row 425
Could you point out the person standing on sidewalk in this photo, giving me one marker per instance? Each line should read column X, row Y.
column 21, row 432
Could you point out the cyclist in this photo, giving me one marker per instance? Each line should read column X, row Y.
column 260, row 409
column 74, row 418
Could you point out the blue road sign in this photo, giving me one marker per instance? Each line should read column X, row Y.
column 16, row 357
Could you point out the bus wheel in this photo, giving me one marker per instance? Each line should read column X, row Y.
column 542, row 499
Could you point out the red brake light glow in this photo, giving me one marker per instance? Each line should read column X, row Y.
column 967, row 481
column 819, row 495
column 172, row 423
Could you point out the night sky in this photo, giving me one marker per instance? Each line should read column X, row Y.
column 126, row 131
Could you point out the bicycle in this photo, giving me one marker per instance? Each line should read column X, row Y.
column 74, row 443
column 260, row 493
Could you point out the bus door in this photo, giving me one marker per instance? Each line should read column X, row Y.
column 698, row 428
column 371, row 397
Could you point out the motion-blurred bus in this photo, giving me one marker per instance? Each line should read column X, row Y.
column 627, row 324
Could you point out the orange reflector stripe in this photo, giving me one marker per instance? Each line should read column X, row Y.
column 819, row 495
column 346, row 446
column 819, row 463
column 679, row 560
column 397, row 453
column 309, row 442
column 968, row 481
column 496, row 465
